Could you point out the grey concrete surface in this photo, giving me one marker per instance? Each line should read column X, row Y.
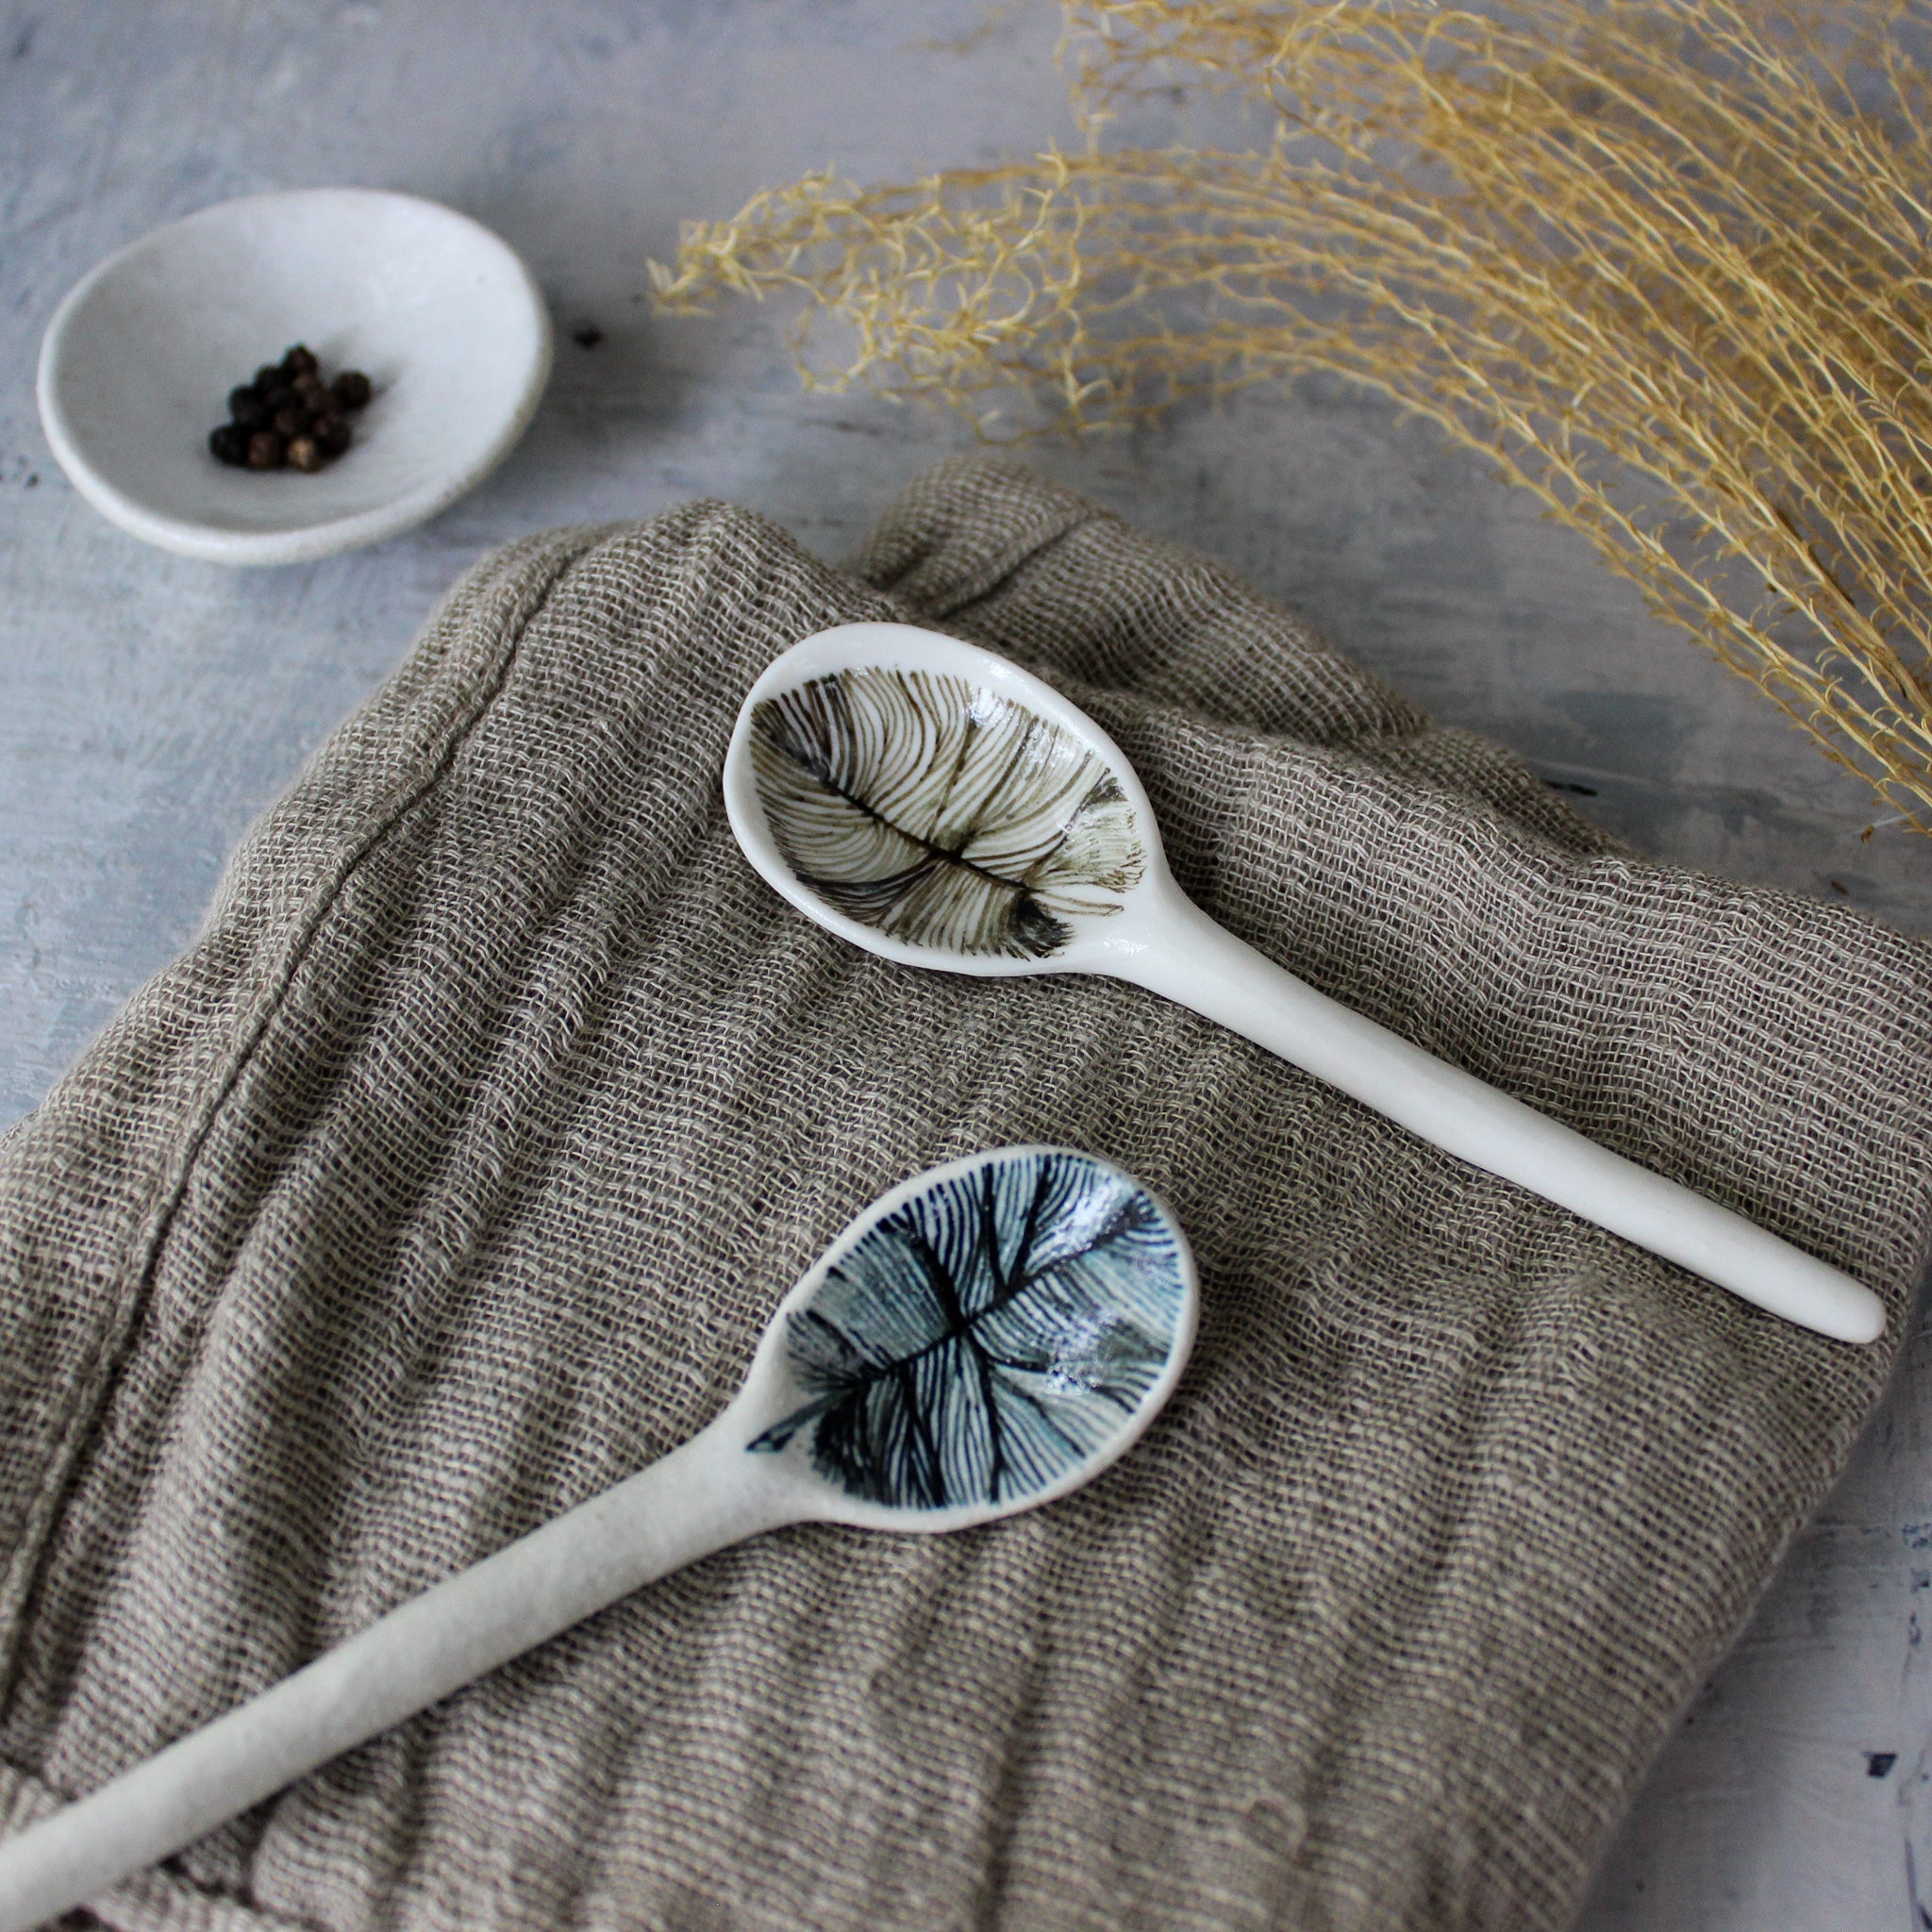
column 149, row 706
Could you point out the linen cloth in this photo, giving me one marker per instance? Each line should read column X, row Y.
column 452, row 1174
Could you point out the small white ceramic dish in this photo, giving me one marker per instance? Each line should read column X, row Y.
column 440, row 313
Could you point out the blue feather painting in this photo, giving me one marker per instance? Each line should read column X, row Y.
column 987, row 1335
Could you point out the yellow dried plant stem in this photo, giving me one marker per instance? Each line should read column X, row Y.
column 1650, row 255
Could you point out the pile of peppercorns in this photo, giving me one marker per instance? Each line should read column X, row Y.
column 287, row 416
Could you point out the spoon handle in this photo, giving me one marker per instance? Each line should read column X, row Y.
column 699, row 1498
column 1200, row 964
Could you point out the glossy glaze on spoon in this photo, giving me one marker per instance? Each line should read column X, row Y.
column 986, row 1338
column 933, row 802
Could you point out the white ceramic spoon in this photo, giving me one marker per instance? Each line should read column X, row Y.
column 984, row 1339
column 935, row 804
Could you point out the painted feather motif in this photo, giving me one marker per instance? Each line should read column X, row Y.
column 986, row 1337
column 941, row 813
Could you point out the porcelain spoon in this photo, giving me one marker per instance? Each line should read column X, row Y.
column 935, row 804
column 984, row 1339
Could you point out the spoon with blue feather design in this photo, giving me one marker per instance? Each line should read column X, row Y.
column 984, row 1339
column 936, row 805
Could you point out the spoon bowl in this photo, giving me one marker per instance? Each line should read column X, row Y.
column 932, row 802
column 986, row 1338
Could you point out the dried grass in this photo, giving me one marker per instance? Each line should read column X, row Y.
column 1664, row 260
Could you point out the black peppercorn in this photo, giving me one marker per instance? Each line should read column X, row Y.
column 288, row 416
column 247, row 408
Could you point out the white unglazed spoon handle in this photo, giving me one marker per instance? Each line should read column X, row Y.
column 704, row 1495
column 1187, row 957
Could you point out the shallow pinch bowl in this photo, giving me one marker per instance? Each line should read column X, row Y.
column 438, row 312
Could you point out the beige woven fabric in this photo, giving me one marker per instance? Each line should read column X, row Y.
column 451, row 1174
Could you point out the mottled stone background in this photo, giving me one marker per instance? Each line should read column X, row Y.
column 149, row 706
